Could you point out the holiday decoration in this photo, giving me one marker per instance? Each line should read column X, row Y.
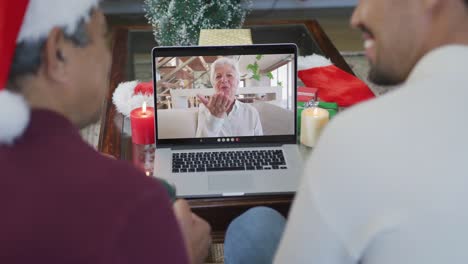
column 333, row 84
column 131, row 95
column 142, row 123
column 331, row 107
column 178, row 22
column 305, row 94
column 313, row 121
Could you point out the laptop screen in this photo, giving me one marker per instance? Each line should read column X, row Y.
column 225, row 95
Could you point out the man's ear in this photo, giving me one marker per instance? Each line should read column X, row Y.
column 55, row 61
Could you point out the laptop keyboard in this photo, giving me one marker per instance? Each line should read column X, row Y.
column 228, row 161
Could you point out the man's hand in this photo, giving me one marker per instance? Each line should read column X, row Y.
column 107, row 155
column 217, row 105
column 196, row 232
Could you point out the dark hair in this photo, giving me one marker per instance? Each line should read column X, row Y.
column 28, row 54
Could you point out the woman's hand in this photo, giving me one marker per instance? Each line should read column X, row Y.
column 217, row 105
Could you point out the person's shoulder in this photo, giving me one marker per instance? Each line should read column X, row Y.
column 246, row 107
column 366, row 120
column 350, row 141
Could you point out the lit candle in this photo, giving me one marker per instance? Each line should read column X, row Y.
column 142, row 122
column 313, row 120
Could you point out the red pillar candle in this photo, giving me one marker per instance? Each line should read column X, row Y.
column 142, row 122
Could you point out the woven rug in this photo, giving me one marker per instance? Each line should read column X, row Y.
column 216, row 254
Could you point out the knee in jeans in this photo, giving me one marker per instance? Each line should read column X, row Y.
column 263, row 212
column 260, row 214
column 254, row 236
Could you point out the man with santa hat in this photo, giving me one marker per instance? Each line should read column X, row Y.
column 60, row 200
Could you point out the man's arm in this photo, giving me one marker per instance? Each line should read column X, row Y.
column 196, row 231
column 307, row 237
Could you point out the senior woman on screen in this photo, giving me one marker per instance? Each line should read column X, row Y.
column 222, row 115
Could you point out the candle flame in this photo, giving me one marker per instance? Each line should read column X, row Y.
column 148, row 173
column 144, row 107
column 316, row 111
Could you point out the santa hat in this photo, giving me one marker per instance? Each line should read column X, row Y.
column 130, row 95
column 29, row 20
column 332, row 83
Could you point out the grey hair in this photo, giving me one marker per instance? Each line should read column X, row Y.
column 223, row 61
column 28, row 54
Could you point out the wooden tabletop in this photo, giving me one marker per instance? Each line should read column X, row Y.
column 219, row 212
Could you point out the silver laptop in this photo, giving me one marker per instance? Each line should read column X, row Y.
column 226, row 119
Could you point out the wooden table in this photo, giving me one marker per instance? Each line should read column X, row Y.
column 129, row 41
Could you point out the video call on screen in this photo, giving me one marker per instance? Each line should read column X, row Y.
column 264, row 87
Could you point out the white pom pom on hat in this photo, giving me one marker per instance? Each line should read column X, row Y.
column 14, row 116
column 29, row 20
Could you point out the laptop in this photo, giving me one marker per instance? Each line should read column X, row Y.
column 250, row 148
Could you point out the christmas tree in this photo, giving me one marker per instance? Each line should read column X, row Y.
column 178, row 22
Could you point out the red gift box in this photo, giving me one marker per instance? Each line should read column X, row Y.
column 305, row 94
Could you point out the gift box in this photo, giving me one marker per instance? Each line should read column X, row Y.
column 331, row 107
column 306, row 94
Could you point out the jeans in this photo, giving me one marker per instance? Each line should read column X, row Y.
column 253, row 237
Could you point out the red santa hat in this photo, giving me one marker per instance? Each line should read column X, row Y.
column 130, row 95
column 29, row 20
column 332, row 83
